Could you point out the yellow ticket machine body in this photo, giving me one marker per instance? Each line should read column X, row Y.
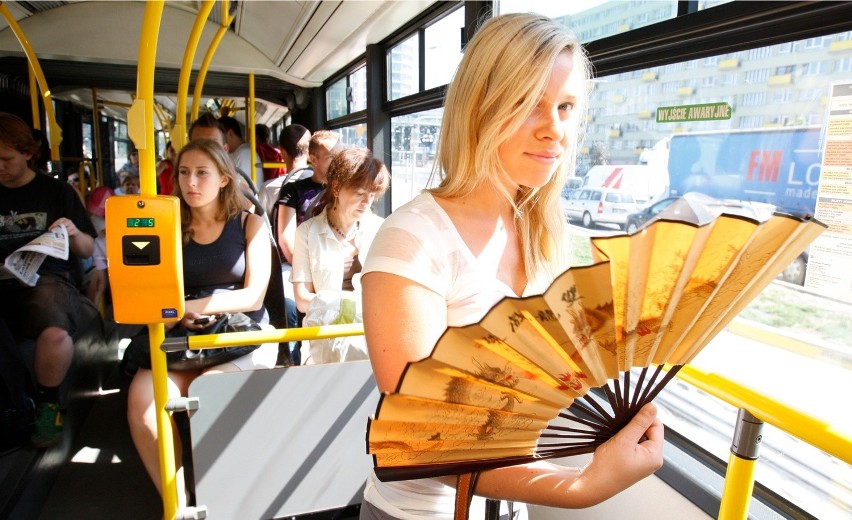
column 144, row 258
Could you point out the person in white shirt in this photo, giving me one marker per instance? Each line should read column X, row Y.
column 331, row 247
column 492, row 228
column 241, row 152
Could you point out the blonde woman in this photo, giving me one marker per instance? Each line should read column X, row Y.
column 492, row 228
column 226, row 268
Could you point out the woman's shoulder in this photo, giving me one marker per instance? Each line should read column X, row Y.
column 250, row 219
column 314, row 225
column 419, row 225
column 419, row 214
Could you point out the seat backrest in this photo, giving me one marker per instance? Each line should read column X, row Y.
column 274, row 301
column 282, row 442
column 275, row 304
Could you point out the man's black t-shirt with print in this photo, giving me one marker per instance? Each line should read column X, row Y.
column 25, row 213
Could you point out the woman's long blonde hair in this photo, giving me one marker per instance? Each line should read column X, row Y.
column 499, row 82
column 230, row 204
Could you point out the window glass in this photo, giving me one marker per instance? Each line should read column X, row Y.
column 88, row 146
column 355, row 135
column 404, row 68
column 760, row 150
column 122, row 144
column 414, row 142
column 596, row 19
column 443, row 49
column 358, row 86
column 335, row 99
column 347, row 95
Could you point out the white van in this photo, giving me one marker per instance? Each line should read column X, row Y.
column 646, row 183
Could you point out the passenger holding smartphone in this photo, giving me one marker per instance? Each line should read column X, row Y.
column 226, row 268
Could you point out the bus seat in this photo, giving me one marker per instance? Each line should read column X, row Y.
column 247, row 178
column 276, row 305
column 275, row 300
column 259, row 452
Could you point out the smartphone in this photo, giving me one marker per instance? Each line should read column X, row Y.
column 203, row 320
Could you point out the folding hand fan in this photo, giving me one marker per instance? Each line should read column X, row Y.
column 514, row 387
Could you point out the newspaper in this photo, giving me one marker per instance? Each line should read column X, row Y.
column 24, row 262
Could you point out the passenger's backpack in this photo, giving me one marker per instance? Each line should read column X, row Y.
column 17, row 411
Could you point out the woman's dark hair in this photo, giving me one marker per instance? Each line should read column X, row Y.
column 355, row 168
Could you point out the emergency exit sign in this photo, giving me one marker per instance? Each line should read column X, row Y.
column 703, row 112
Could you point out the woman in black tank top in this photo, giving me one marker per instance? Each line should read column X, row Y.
column 227, row 259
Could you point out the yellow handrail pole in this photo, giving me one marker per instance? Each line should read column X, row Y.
column 165, row 440
column 96, row 128
column 808, row 428
column 208, row 57
column 739, row 485
column 140, row 126
column 34, row 99
column 55, row 133
column 739, row 478
column 270, row 336
column 178, row 132
column 250, row 128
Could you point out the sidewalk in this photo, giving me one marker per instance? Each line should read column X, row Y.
column 801, row 344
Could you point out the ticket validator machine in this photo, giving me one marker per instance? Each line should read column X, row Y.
column 145, row 258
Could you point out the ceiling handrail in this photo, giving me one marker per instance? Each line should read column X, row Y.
column 54, row 132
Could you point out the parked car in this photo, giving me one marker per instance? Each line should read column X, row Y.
column 640, row 218
column 600, row 206
column 572, row 185
column 700, row 208
column 696, row 208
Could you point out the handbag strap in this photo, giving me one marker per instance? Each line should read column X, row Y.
column 245, row 216
column 465, row 486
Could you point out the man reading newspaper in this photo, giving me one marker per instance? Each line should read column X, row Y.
column 25, row 262
column 47, row 312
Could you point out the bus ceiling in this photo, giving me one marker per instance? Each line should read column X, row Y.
column 290, row 46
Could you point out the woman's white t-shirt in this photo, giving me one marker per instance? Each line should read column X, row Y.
column 419, row 241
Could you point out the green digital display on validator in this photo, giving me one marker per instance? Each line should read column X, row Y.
column 140, row 222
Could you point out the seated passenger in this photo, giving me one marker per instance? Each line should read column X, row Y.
column 226, row 267
column 73, row 176
column 132, row 164
column 41, row 158
column 130, row 185
column 331, row 248
column 208, row 127
column 50, row 312
column 293, row 143
column 95, row 281
column 267, row 152
column 241, row 152
column 298, row 199
column 165, row 171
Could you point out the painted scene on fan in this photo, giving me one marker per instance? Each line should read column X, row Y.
column 488, row 390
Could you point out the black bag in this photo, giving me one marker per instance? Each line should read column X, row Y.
column 138, row 353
